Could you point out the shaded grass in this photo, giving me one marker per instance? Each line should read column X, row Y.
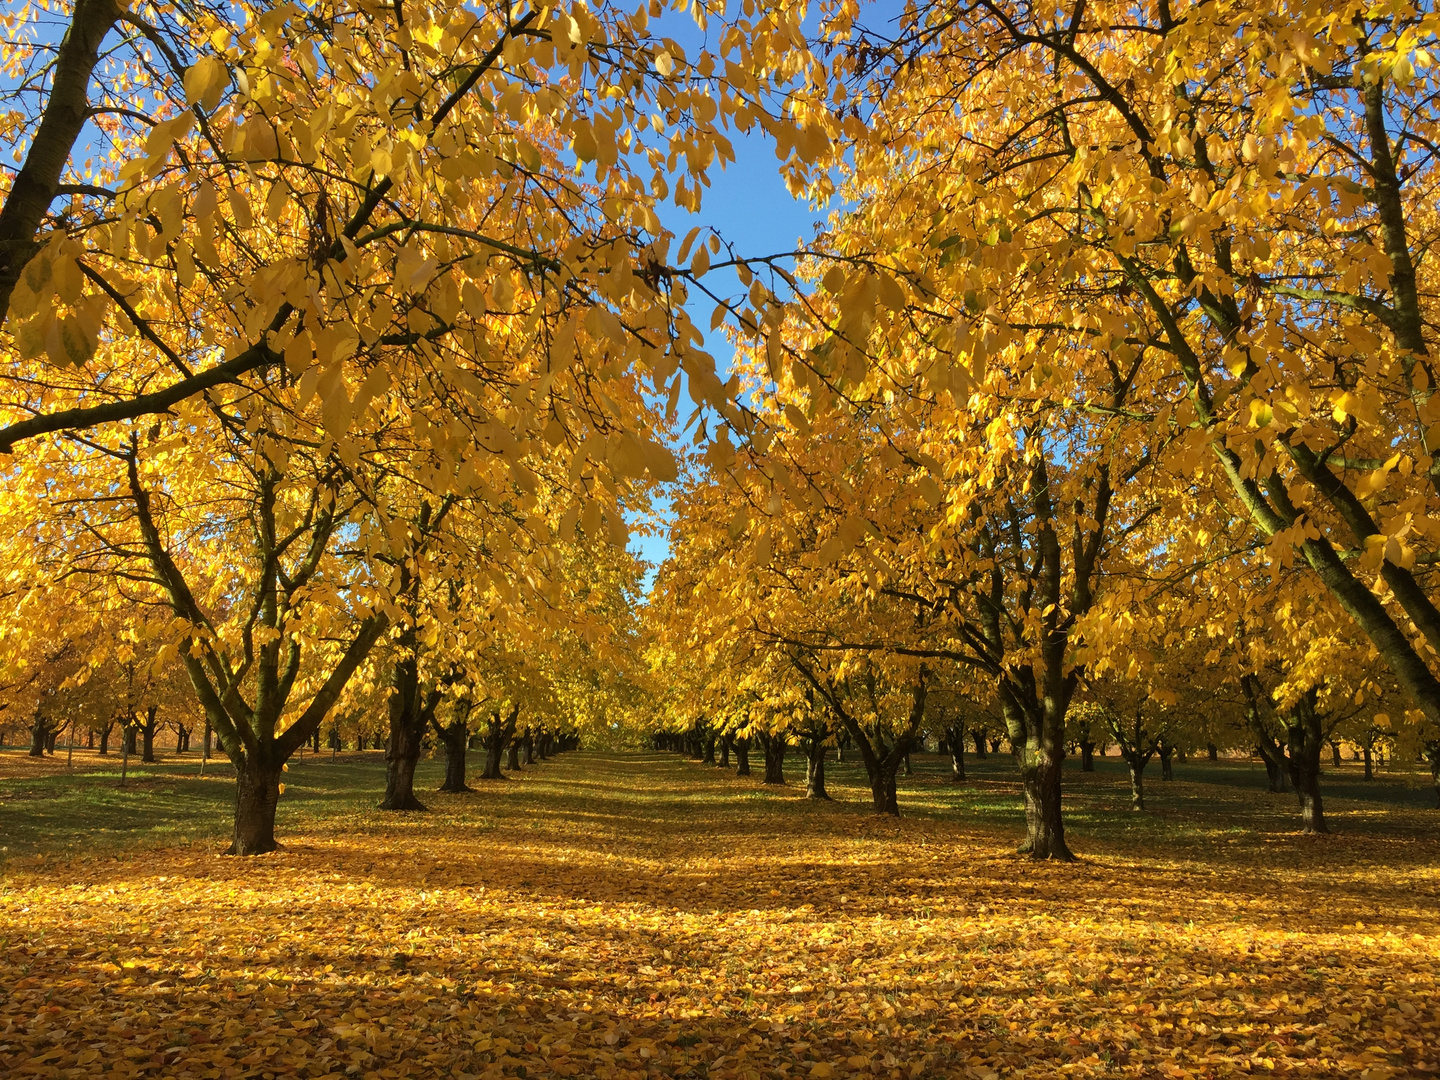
column 45, row 809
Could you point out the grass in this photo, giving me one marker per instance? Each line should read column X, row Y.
column 626, row 916
column 47, row 810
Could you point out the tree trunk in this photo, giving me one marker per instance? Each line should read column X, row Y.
column 527, row 750
column 39, row 730
column 454, row 737
column 1335, row 754
column 955, row 743
column 908, row 770
column 402, row 750
column 980, row 744
column 512, row 761
column 105, row 737
column 257, row 793
column 1087, row 755
column 147, row 736
column 1432, row 755
column 129, row 736
column 1276, row 775
column 502, row 730
column 742, row 757
column 493, row 755
column 882, row 788
column 1306, row 740
column 710, row 741
column 774, row 757
column 815, row 770
column 1044, row 826
column 1137, row 782
column 1213, row 751
column 1369, row 763
column 726, row 742
column 1167, row 771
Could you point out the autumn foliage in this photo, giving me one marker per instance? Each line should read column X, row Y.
column 351, row 356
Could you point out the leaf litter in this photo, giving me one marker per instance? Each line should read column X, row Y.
column 624, row 917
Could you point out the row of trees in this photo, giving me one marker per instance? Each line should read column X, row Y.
column 1108, row 394
column 340, row 345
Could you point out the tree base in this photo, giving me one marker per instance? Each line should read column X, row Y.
column 1057, row 853
column 407, row 802
column 456, row 789
column 259, row 849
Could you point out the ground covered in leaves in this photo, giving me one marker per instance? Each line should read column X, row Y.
column 632, row 916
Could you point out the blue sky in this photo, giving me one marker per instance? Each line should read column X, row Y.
column 748, row 205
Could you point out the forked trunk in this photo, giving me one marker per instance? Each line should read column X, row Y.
column 257, row 794
column 980, row 745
